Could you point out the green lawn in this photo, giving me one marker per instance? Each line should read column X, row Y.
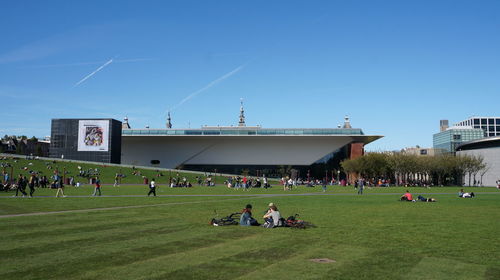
column 373, row 236
column 106, row 172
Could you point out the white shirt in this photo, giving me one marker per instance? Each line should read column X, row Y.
column 276, row 217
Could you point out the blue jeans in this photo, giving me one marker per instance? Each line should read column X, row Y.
column 96, row 190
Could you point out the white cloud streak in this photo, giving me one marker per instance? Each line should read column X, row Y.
column 93, row 73
column 209, row 85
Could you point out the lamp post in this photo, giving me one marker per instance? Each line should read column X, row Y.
column 215, row 177
column 338, row 177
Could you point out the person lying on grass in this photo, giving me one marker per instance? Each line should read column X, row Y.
column 423, row 199
column 463, row 194
column 246, row 218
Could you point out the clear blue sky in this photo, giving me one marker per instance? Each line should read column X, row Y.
column 395, row 67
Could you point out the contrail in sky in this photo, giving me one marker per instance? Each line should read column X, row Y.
column 93, row 73
column 87, row 63
column 211, row 84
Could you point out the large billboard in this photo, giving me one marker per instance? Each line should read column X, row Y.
column 93, row 135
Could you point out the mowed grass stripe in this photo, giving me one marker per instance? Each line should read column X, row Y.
column 159, row 267
column 68, row 230
column 87, row 239
column 297, row 266
column 118, row 253
column 41, row 230
column 11, row 207
column 111, row 257
column 85, row 210
column 232, row 266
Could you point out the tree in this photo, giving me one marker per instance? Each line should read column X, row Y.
column 20, row 148
column 39, row 151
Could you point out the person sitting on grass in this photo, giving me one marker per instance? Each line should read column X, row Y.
column 246, row 218
column 407, row 196
column 463, row 194
column 273, row 217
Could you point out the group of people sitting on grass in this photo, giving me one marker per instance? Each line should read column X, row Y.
column 272, row 217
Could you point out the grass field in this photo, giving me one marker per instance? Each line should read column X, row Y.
column 126, row 235
column 106, row 172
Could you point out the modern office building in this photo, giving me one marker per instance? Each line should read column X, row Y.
column 489, row 150
column 490, row 125
column 96, row 140
column 449, row 139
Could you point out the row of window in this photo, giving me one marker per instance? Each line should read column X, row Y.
column 243, row 132
column 482, row 121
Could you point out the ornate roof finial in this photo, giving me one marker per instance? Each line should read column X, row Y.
column 125, row 124
column 347, row 123
column 242, row 114
column 169, row 123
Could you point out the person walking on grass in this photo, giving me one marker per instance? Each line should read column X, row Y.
column 117, row 181
column 31, row 184
column 97, row 186
column 324, row 185
column 60, row 188
column 361, row 185
column 21, row 185
column 152, row 187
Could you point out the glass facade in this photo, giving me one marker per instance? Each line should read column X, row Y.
column 449, row 139
column 245, row 131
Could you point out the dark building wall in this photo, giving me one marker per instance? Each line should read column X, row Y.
column 64, row 141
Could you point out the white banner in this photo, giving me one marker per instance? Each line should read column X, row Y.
column 93, row 136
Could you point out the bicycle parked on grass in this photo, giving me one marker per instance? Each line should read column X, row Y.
column 232, row 219
column 293, row 222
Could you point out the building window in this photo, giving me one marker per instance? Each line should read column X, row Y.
column 457, row 136
column 476, row 121
column 483, row 121
column 491, row 121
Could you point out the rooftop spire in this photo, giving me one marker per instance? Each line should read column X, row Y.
column 242, row 114
column 125, row 124
column 169, row 123
column 347, row 123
